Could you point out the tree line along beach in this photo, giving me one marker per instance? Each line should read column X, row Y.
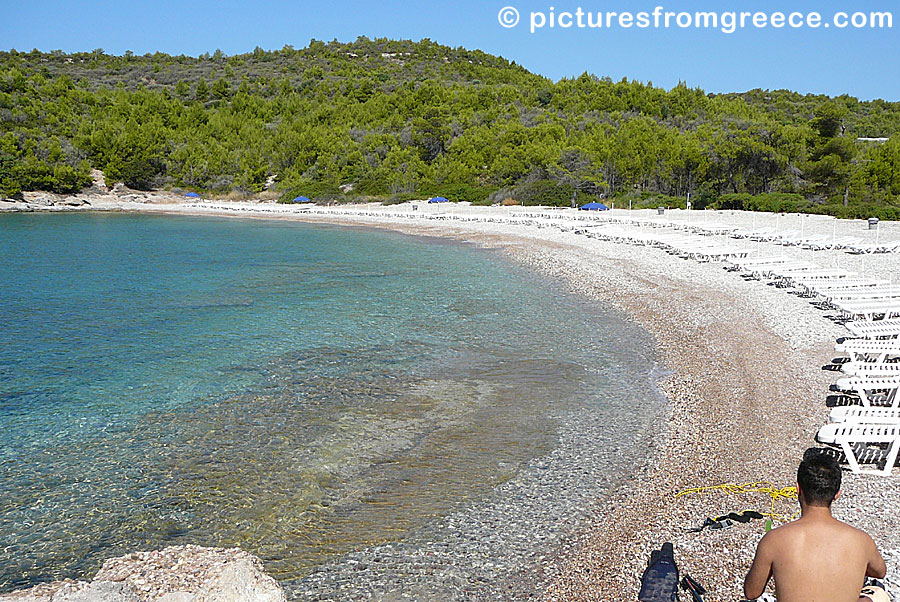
column 394, row 120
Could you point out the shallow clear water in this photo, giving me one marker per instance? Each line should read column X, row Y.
column 300, row 391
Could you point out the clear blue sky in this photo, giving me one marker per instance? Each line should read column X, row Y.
column 863, row 63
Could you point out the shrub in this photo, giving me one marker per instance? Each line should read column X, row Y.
column 649, row 200
column 458, row 192
column 541, row 192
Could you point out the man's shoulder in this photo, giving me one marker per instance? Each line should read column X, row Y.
column 791, row 530
column 775, row 538
column 850, row 529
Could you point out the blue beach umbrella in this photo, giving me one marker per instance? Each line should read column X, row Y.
column 594, row 207
column 301, row 199
column 438, row 199
column 193, row 195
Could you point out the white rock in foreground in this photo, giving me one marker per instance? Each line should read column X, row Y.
column 175, row 574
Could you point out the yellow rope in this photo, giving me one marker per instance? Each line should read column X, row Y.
column 775, row 493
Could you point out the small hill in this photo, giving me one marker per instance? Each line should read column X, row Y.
column 402, row 119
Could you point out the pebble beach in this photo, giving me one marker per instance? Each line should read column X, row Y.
column 744, row 381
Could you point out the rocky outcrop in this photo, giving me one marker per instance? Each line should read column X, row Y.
column 94, row 198
column 175, row 574
column 98, row 180
column 73, row 201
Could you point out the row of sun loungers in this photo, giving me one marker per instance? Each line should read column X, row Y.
column 855, row 296
column 816, row 242
column 784, row 237
column 569, row 220
column 869, row 431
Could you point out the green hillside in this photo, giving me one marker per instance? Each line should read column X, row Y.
column 400, row 119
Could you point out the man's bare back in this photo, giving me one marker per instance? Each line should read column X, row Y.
column 816, row 558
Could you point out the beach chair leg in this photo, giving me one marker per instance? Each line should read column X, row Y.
column 863, row 398
column 891, row 458
column 851, row 457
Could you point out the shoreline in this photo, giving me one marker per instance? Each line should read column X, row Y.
column 746, row 397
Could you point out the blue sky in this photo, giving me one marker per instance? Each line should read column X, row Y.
column 863, row 63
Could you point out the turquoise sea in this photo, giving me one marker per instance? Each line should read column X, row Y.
column 300, row 391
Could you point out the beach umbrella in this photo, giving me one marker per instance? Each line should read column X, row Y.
column 594, row 207
column 193, row 195
column 300, row 199
column 438, row 199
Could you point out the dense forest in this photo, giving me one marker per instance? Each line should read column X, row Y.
column 394, row 120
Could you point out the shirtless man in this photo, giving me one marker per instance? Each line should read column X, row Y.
column 816, row 558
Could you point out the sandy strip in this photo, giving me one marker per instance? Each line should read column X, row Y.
column 747, row 394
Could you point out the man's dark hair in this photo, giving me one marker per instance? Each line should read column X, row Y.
column 819, row 476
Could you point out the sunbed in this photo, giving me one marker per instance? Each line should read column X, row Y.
column 868, row 350
column 867, row 293
column 861, row 291
column 824, row 286
column 880, row 390
column 849, row 282
column 870, row 310
column 859, row 415
column 872, row 369
column 754, row 261
column 881, row 247
column 846, row 435
column 883, row 329
column 777, row 270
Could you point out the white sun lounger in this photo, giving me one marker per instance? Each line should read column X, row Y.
column 816, row 242
column 705, row 251
column 860, row 415
column 868, row 310
column 883, row 247
column 761, row 234
column 868, row 350
column 883, row 329
column 846, row 242
column 776, row 270
column 868, row 293
column 874, row 290
column 845, row 435
column 824, row 286
column 863, row 385
column 872, row 369
column 810, row 275
column 845, row 283
column 753, row 261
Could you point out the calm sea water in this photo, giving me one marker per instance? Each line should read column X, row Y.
column 299, row 391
